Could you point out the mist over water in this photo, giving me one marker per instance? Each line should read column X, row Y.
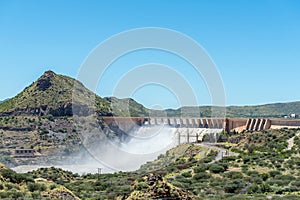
column 144, row 144
column 150, row 140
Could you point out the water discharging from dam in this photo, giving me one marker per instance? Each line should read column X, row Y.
column 144, row 144
column 147, row 140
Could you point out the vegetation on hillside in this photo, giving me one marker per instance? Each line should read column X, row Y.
column 26, row 186
column 261, row 165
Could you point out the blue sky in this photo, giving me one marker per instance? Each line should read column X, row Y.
column 254, row 44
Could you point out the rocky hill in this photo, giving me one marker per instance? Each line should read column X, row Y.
column 53, row 94
column 41, row 118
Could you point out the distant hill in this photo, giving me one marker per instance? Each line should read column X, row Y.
column 268, row 110
column 122, row 107
column 1, row 101
column 277, row 110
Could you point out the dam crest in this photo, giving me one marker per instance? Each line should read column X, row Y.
column 226, row 124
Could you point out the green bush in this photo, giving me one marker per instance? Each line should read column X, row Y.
column 296, row 183
column 13, row 194
column 264, row 176
column 36, row 187
column 234, row 186
column 171, row 168
column 201, row 168
column 187, row 174
column 265, row 188
column 52, row 186
column 274, row 173
column 141, row 186
column 207, row 160
column 216, row 168
column 15, row 177
column 201, row 175
column 254, row 188
column 234, row 175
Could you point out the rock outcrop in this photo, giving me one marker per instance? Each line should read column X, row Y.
column 44, row 82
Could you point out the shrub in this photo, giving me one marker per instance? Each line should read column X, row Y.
column 15, row 177
column 254, row 188
column 296, row 183
column 234, row 175
column 285, row 177
column 215, row 168
column 234, row 186
column 201, row 175
column 187, row 174
column 171, row 168
column 264, row 176
column 53, row 186
column 141, row 186
column 207, row 160
column 36, row 187
column 274, row 173
column 257, row 180
column 265, row 188
column 201, row 168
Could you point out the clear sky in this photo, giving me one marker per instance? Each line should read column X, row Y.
column 255, row 44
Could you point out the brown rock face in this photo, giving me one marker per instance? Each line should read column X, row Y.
column 44, row 82
column 67, row 109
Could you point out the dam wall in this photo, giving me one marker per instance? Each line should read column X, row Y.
column 278, row 123
column 227, row 124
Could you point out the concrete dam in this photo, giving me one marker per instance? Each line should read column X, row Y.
column 227, row 124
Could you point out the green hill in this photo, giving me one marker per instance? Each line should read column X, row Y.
column 277, row 110
column 268, row 110
column 58, row 94
column 53, row 94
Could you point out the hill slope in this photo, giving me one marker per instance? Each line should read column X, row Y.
column 58, row 94
column 52, row 94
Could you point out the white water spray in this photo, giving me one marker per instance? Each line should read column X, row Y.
column 145, row 144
